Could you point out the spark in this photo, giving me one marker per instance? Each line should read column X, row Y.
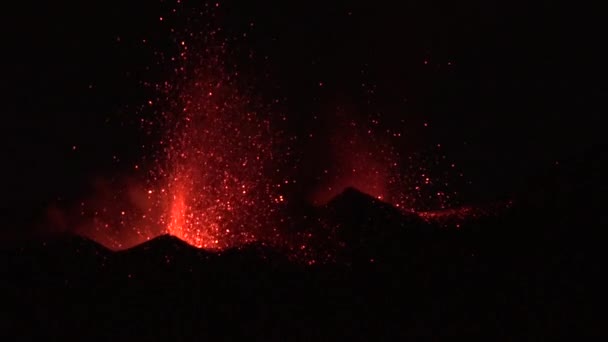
column 216, row 180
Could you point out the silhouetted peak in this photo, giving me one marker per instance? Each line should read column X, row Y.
column 352, row 196
column 367, row 215
column 164, row 242
column 356, row 202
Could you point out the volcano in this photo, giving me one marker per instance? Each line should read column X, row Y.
column 356, row 207
column 301, row 171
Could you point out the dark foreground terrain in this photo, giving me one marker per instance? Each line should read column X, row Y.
column 522, row 275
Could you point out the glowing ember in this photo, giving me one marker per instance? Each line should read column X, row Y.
column 363, row 155
column 214, row 161
column 207, row 180
column 215, row 179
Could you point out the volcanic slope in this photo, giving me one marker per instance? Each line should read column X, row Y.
column 393, row 276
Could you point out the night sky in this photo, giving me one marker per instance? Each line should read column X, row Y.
column 507, row 90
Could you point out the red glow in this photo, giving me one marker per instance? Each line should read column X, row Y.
column 206, row 183
column 214, row 181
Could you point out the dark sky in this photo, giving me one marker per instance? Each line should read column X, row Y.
column 522, row 91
